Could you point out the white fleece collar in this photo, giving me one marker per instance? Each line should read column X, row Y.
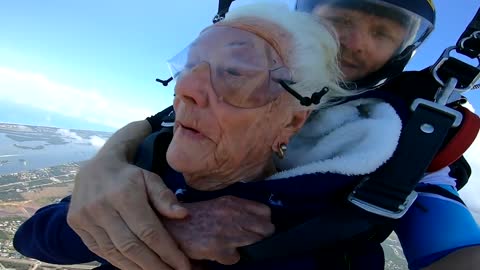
column 353, row 138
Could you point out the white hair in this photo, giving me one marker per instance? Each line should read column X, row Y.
column 313, row 51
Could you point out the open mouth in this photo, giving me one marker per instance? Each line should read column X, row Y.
column 348, row 64
column 190, row 129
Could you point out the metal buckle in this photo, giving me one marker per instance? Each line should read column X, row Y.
column 440, row 108
column 402, row 209
column 444, row 93
column 444, row 57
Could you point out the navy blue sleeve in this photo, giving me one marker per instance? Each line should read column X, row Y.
column 47, row 237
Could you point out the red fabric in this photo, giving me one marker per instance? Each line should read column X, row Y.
column 460, row 142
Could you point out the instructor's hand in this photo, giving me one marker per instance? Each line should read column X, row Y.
column 111, row 210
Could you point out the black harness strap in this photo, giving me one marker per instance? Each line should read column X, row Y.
column 339, row 228
column 468, row 45
column 388, row 191
column 151, row 155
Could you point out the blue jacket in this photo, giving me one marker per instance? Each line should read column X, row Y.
column 47, row 237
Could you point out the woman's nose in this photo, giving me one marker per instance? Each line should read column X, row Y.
column 193, row 84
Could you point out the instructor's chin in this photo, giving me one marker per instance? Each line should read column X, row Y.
column 350, row 74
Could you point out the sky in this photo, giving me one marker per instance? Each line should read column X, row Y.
column 92, row 64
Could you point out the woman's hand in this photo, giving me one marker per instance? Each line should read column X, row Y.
column 215, row 229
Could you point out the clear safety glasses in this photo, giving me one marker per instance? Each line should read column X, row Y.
column 244, row 70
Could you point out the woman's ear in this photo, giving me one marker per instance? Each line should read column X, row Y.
column 297, row 120
column 294, row 123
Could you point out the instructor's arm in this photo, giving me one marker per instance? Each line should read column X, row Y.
column 463, row 259
column 111, row 207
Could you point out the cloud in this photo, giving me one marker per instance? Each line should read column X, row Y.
column 97, row 141
column 69, row 134
column 40, row 92
column 469, row 106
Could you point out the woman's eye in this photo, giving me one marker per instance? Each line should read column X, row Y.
column 339, row 20
column 233, row 72
column 189, row 65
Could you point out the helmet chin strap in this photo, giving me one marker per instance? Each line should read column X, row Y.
column 223, row 6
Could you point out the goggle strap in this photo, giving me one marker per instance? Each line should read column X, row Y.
column 304, row 101
column 164, row 82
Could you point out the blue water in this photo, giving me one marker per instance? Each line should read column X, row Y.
column 16, row 156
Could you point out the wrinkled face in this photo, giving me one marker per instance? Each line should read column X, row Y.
column 221, row 133
column 367, row 41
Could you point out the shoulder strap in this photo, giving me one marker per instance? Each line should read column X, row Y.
column 157, row 121
column 151, row 154
column 390, row 190
column 466, row 44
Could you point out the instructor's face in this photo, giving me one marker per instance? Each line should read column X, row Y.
column 367, row 41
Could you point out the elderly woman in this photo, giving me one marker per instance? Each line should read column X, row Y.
column 243, row 88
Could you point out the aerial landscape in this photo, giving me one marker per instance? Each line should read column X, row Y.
column 37, row 167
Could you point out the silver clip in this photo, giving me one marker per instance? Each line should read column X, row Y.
column 444, row 93
column 402, row 209
column 443, row 58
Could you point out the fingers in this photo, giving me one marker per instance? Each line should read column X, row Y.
column 103, row 247
column 162, row 198
column 256, row 208
column 261, row 227
column 228, row 257
column 222, row 225
column 245, row 205
column 147, row 228
column 255, row 217
column 126, row 243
